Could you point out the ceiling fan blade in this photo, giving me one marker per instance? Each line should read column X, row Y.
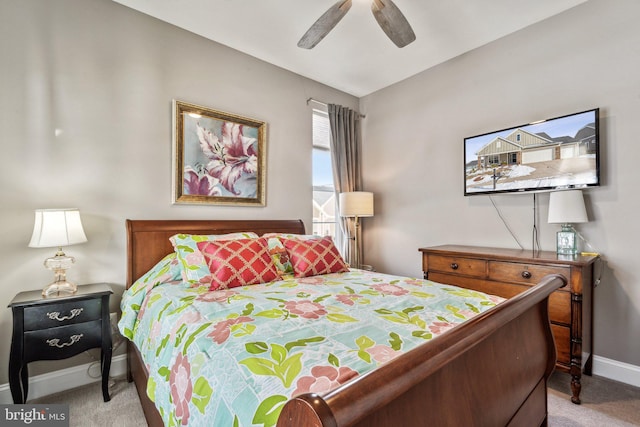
column 393, row 22
column 324, row 24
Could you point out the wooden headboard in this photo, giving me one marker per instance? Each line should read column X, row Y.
column 148, row 240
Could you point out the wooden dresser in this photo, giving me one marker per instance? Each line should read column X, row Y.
column 507, row 272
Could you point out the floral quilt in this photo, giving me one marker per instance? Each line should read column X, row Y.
column 233, row 357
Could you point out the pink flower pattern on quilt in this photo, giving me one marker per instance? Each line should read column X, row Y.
column 305, row 308
column 181, row 387
column 323, row 379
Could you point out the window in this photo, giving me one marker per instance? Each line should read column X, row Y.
column 324, row 197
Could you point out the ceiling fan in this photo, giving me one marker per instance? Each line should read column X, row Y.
column 389, row 17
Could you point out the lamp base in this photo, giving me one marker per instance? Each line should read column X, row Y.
column 566, row 241
column 59, row 289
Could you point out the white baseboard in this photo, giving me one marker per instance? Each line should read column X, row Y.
column 66, row 379
column 617, row 371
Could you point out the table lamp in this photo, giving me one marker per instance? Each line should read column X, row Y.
column 58, row 228
column 567, row 207
column 356, row 204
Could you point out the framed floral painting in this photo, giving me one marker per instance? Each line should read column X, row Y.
column 218, row 158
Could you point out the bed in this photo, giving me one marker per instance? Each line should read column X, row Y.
column 490, row 370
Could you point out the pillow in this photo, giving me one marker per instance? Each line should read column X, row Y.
column 166, row 270
column 279, row 252
column 194, row 268
column 291, row 236
column 279, row 256
column 311, row 257
column 241, row 262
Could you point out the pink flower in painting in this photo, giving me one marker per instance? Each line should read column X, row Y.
column 305, row 308
column 181, row 387
column 201, row 183
column 216, row 296
column 439, row 327
column 348, row 299
column 314, row 280
column 231, row 156
column 323, row 379
column 382, row 353
column 222, row 330
column 387, row 289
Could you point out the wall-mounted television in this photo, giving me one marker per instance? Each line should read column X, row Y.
column 558, row 153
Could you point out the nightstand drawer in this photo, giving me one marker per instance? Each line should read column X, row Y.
column 531, row 274
column 61, row 314
column 62, row 342
column 457, row 265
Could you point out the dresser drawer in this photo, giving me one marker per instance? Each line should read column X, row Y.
column 559, row 301
column 64, row 313
column 457, row 265
column 62, row 342
column 530, row 274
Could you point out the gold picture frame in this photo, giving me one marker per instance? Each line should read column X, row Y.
column 218, row 158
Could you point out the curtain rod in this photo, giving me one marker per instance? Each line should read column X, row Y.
column 362, row 116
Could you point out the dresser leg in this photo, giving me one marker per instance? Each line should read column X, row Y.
column 576, row 387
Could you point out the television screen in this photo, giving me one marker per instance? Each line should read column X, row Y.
column 557, row 153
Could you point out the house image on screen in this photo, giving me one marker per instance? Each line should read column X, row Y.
column 521, row 147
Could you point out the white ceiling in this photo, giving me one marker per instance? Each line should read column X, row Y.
column 356, row 56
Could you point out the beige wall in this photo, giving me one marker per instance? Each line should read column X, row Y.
column 104, row 77
column 586, row 57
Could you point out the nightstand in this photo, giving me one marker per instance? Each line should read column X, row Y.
column 58, row 328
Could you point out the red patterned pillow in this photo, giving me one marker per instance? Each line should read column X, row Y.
column 311, row 257
column 234, row 263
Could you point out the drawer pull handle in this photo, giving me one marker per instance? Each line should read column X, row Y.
column 56, row 341
column 526, row 274
column 454, row 266
column 56, row 315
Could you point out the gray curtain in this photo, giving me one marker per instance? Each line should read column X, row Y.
column 346, row 147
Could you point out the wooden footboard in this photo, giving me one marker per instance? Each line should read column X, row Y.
column 490, row 371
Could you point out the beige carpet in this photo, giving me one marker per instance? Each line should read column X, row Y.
column 87, row 409
column 605, row 404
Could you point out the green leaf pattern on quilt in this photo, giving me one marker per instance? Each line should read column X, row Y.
column 234, row 357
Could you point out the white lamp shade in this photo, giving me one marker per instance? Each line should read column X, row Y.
column 567, row 207
column 356, row 203
column 57, row 228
